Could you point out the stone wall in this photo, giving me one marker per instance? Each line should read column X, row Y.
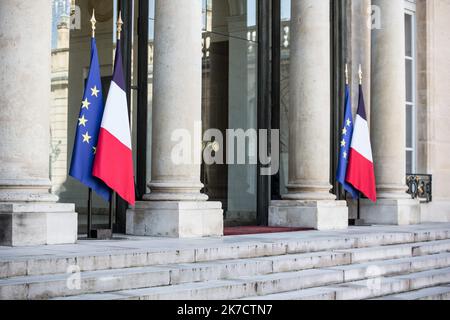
column 434, row 103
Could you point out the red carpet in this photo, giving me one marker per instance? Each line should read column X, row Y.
column 237, row 231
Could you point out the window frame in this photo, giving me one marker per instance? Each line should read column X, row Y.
column 410, row 9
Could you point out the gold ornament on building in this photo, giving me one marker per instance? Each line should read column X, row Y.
column 93, row 22
column 119, row 25
column 360, row 75
column 346, row 74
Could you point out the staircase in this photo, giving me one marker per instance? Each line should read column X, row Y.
column 394, row 263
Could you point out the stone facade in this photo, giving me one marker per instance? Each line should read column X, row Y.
column 434, row 109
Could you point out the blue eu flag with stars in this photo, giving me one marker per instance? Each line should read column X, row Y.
column 345, row 145
column 88, row 127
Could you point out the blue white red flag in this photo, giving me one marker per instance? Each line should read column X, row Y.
column 345, row 143
column 88, row 127
column 114, row 160
column 360, row 172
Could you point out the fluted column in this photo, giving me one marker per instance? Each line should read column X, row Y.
column 175, row 207
column 388, row 120
column 389, row 100
column 29, row 214
column 25, row 35
column 309, row 203
column 310, row 99
column 176, row 100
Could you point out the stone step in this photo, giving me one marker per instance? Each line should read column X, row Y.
column 355, row 272
column 301, row 285
column 113, row 255
column 232, row 269
column 226, row 289
column 373, row 288
column 431, row 247
column 380, row 287
column 48, row 286
column 361, row 255
column 426, row 279
column 311, row 294
column 357, row 290
column 434, row 293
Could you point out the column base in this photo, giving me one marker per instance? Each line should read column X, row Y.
column 31, row 224
column 181, row 219
column 319, row 215
column 391, row 212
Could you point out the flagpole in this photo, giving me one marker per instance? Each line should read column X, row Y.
column 346, row 74
column 360, row 73
column 113, row 194
column 89, row 211
column 119, row 25
column 93, row 23
column 346, row 83
column 111, row 212
column 89, row 214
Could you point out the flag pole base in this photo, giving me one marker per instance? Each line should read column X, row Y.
column 101, row 234
column 360, row 223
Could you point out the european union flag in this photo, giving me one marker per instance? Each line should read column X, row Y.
column 88, row 127
column 345, row 145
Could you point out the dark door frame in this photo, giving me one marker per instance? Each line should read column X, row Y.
column 142, row 99
column 127, row 9
column 276, row 87
column 264, row 109
column 338, row 18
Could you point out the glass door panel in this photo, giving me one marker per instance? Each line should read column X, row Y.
column 284, row 93
column 230, row 105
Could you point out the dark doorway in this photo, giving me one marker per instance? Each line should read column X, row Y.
column 230, row 102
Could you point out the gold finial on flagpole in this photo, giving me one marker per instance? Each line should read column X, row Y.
column 93, row 22
column 360, row 75
column 346, row 74
column 119, row 25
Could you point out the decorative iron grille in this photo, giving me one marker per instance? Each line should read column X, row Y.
column 420, row 186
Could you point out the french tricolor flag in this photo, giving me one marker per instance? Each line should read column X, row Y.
column 360, row 171
column 113, row 162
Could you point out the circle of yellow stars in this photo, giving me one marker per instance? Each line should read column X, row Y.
column 348, row 123
column 85, row 104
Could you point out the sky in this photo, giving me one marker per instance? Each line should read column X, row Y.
column 59, row 7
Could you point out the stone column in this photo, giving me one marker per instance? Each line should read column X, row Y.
column 388, row 120
column 29, row 214
column 309, row 202
column 176, row 207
